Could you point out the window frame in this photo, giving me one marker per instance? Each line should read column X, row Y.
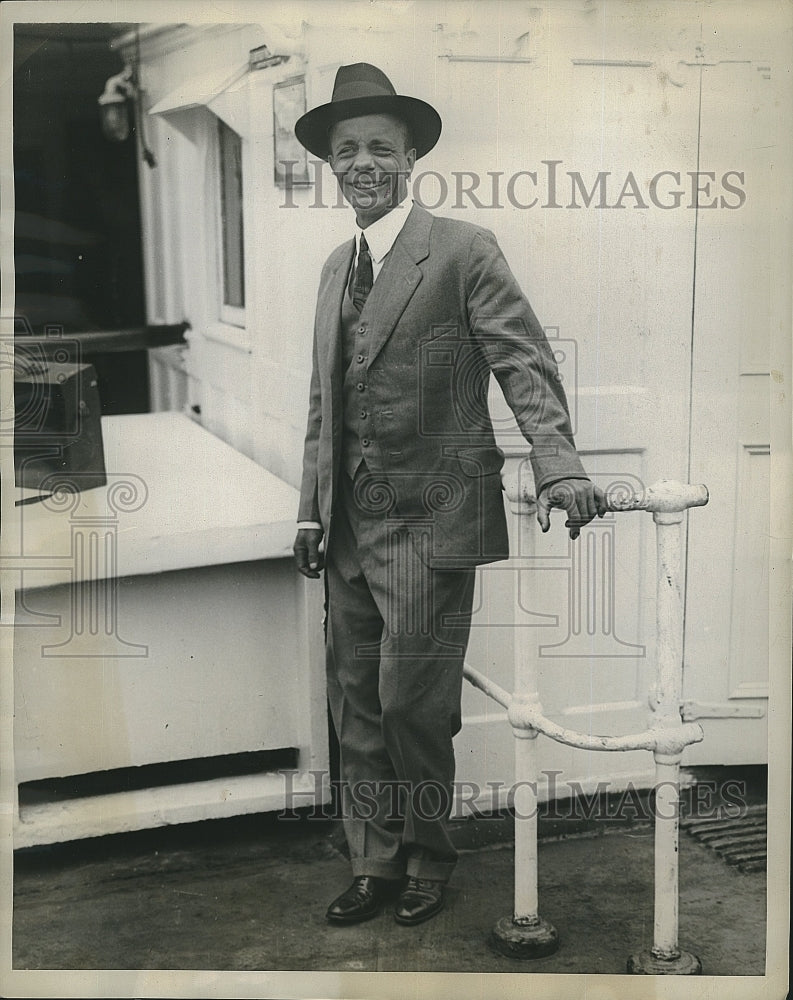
column 230, row 321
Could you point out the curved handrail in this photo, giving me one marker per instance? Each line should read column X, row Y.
column 527, row 715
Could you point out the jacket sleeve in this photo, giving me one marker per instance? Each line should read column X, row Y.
column 308, row 509
column 517, row 351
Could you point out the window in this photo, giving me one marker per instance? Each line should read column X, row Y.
column 232, row 251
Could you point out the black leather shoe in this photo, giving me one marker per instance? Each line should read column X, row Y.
column 361, row 901
column 421, row 899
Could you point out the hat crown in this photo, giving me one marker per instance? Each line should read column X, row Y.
column 359, row 80
column 362, row 89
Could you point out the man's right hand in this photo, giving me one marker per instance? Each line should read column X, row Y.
column 307, row 555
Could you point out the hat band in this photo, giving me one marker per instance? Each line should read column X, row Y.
column 354, row 90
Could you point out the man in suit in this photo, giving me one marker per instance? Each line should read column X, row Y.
column 401, row 479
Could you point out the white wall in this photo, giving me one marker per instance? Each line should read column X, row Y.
column 605, row 86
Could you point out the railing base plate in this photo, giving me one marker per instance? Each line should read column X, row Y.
column 524, row 941
column 647, row 964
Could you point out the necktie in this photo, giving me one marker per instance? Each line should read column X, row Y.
column 364, row 276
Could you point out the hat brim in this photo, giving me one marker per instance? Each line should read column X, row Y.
column 424, row 121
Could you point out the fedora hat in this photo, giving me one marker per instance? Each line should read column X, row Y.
column 363, row 89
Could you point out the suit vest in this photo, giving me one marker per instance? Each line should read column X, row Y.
column 358, row 436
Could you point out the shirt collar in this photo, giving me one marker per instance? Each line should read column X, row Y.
column 381, row 235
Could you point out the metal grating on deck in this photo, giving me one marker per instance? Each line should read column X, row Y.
column 739, row 840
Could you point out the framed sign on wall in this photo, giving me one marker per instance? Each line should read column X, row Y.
column 291, row 159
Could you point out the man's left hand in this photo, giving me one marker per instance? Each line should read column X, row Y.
column 579, row 497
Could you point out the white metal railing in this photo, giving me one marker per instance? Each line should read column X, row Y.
column 525, row 934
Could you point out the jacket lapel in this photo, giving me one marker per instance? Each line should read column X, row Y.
column 329, row 311
column 399, row 278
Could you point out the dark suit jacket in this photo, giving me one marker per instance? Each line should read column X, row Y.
column 446, row 311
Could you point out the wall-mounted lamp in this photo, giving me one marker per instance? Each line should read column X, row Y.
column 114, row 105
column 120, row 106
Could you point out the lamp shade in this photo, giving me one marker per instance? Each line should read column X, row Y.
column 114, row 116
column 114, row 105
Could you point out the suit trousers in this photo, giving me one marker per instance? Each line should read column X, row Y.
column 397, row 631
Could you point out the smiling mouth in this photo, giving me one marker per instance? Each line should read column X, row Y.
column 368, row 185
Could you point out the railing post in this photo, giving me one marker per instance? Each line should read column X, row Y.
column 665, row 957
column 525, row 934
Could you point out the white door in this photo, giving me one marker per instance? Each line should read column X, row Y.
column 615, row 283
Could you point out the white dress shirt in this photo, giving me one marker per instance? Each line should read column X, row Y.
column 380, row 238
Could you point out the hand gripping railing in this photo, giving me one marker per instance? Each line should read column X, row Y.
column 526, row 934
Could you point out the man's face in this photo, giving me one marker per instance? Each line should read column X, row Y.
column 372, row 165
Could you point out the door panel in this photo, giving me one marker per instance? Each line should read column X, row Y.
column 662, row 316
column 616, row 304
column 726, row 650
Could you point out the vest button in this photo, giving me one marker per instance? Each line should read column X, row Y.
column 365, row 442
column 361, row 329
column 364, row 414
column 360, row 387
column 360, row 359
